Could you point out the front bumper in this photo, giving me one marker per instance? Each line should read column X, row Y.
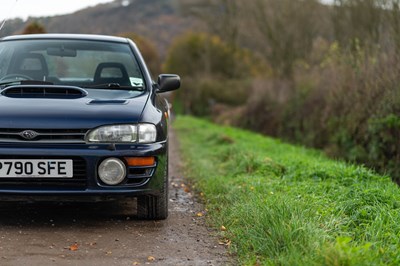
column 85, row 183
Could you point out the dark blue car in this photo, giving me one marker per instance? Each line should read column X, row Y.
column 81, row 118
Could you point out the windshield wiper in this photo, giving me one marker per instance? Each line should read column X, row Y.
column 26, row 82
column 114, row 86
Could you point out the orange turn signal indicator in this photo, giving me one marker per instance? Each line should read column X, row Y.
column 140, row 161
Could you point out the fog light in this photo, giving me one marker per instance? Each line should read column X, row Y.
column 112, row 171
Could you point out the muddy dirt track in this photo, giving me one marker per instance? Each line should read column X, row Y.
column 109, row 233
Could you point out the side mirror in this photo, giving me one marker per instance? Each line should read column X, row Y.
column 168, row 82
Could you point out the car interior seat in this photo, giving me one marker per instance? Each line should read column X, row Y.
column 32, row 65
column 110, row 72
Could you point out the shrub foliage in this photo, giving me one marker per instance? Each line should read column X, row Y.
column 213, row 71
column 333, row 76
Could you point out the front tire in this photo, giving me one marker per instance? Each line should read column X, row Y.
column 154, row 207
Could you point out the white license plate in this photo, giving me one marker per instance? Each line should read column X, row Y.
column 36, row 168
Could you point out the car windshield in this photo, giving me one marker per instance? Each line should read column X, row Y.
column 83, row 63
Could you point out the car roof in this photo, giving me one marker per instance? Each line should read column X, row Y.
column 54, row 36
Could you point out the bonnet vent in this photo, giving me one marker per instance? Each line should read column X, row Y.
column 43, row 91
column 101, row 102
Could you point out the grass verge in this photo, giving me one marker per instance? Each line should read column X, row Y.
column 287, row 205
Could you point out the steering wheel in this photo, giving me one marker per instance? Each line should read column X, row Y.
column 16, row 77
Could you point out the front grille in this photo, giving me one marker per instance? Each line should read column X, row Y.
column 43, row 135
column 78, row 181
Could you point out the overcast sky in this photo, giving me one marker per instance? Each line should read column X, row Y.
column 26, row 8
column 34, row 8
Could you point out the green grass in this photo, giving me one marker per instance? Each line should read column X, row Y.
column 287, row 205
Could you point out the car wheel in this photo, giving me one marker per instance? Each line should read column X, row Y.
column 154, row 207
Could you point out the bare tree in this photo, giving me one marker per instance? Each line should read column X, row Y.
column 222, row 17
column 358, row 21
column 287, row 29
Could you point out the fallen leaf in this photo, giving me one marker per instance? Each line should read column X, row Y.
column 225, row 242
column 74, row 247
column 151, row 258
column 223, row 228
column 186, row 189
column 199, row 214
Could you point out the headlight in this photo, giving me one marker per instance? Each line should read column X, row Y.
column 147, row 133
column 117, row 133
column 142, row 133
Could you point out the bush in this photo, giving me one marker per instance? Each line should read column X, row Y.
column 213, row 72
column 347, row 104
column 201, row 55
column 199, row 96
column 333, row 80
